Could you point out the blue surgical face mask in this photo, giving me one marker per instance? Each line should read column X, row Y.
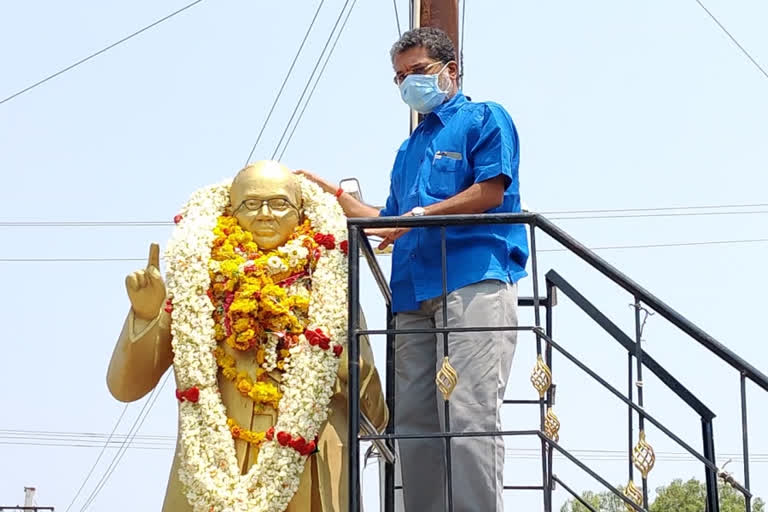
column 422, row 92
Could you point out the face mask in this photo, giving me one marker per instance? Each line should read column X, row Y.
column 422, row 92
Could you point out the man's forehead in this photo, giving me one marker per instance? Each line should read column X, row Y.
column 412, row 57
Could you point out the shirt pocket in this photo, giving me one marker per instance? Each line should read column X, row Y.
column 446, row 174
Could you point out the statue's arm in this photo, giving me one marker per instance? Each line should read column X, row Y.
column 142, row 355
column 372, row 401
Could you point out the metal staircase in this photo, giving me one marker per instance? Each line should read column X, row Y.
column 640, row 454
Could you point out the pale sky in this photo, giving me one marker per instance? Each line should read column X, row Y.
column 618, row 105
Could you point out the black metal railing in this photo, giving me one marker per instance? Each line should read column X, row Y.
column 638, row 359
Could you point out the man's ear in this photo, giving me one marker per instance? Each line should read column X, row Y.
column 453, row 70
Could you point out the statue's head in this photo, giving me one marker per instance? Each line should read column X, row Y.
column 266, row 200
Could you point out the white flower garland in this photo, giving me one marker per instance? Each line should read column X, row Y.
column 209, row 468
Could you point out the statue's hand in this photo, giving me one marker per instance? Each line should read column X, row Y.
column 146, row 288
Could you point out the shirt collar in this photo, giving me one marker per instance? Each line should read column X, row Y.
column 446, row 111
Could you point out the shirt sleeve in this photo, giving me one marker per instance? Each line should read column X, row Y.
column 496, row 150
column 391, row 208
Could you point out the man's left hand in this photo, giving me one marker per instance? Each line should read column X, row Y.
column 391, row 234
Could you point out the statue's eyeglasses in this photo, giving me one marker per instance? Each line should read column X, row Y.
column 275, row 204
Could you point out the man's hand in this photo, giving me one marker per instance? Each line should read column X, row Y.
column 146, row 289
column 326, row 186
column 389, row 235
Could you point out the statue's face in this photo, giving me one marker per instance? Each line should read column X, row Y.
column 266, row 200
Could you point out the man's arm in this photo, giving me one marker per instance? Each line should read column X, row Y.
column 478, row 198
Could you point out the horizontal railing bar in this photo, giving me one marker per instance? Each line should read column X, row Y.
column 629, row 344
column 523, row 487
column 439, row 330
column 651, row 300
column 443, row 435
column 442, row 220
column 591, row 473
column 525, row 402
column 636, row 407
column 573, row 493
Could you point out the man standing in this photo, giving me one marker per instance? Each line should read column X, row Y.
column 462, row 158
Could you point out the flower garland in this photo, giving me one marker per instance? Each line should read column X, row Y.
column 209, row 468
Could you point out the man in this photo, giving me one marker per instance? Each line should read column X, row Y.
column 462, row 158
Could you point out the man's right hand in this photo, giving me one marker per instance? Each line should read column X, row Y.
column 146, row 288
column 323, row 184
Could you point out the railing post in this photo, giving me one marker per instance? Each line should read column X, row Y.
column 713, row 504
column 389, row 467
column 353, row 347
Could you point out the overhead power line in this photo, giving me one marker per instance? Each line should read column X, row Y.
column 628, row 213
column 138, row 422
column 285, row 81
column 619, row 213
column 725, row 30
column 397, row 19
column 311, row 77
column 96, row 462
column 594, row 248
column 103, row 50
column 312, row 92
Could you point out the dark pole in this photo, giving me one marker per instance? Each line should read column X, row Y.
column 713, row 504
column 353, row 347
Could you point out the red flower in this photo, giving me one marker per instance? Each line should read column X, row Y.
column 168, row 306
column 283, row 438
column 270, row 434
column 327, row 241
column 177, row 219
column 310, row 448
column 344, row 246
column 337, row 350
column 192, row 394
column 299, row 444
column 236, row 432
column 317, row 337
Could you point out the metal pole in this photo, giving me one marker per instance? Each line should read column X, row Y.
column 745, row 439
column 389, row 468
column 713, row 504
column 640, row 402
column 353, row 347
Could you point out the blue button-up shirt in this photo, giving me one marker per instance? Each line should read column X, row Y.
column 460, row 143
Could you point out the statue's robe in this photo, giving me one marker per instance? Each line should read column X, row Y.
column 143, row 354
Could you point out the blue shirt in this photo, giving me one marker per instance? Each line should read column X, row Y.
column 460, row 143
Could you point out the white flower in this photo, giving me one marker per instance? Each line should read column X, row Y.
column 209, row 468
column 276, row 265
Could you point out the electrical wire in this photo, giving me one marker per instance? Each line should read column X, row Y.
column 96, row 462
column 397, row 20
column 595, row 248
column 96, row 54
column 138, row 422
column 672, row 211
column 743, row 50
column 319, row 76
column 285, row 81
column 309, row 80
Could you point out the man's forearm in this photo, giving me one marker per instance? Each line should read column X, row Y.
column 354, row 208
column 478, row 198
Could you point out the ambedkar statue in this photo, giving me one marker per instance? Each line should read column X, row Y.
column 252, row 314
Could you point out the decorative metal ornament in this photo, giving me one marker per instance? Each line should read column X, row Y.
column 552, row 425
column 643, row 456
column 634, row 494
column 446, row 379
column 541, row 378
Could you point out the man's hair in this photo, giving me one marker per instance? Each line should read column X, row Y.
column 437, row 43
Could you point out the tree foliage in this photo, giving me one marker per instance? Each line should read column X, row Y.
column 679, row 496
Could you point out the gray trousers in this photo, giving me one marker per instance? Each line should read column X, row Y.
column 482, row 361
